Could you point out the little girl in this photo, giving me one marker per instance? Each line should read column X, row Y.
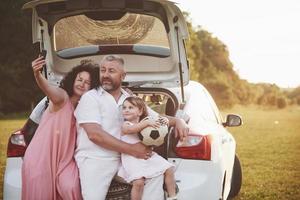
column 135, row 170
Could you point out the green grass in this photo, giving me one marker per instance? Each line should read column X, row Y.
column 22, row 115
column 268, row 145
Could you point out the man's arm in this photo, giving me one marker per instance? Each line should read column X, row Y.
column 100, row 137
column 181, row 128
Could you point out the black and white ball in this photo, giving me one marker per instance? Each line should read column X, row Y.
column 154, row 136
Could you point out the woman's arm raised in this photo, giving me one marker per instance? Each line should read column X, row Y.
column 56, row 95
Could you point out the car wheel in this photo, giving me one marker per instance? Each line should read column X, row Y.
column 236, row 181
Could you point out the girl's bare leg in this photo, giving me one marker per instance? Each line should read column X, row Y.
column 137, row 189
column 170, row 182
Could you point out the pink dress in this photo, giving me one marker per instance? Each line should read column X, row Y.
column 133, row 168
column 49, row 171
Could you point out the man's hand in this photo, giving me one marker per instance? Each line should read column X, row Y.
column 141, row 151
column 181, row 128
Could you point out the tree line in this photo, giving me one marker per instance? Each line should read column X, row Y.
column 208, row 58
column 18, row 91
column 211, row 66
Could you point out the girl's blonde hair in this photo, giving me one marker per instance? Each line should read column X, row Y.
column 140, row 104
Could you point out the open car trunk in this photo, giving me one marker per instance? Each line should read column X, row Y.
column 148, row 34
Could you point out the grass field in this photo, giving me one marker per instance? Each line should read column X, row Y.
column 268, row 145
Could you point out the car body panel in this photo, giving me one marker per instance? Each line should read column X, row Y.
column 12, row 179
column 205, row 119
column 198, row 180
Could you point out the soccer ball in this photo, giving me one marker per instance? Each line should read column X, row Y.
column 154, row 136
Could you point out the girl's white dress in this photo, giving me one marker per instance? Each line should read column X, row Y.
column 133, row 168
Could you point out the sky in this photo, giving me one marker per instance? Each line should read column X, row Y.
column 262, row 36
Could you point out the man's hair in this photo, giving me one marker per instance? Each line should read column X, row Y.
column 112, row 58
column 85, row 66
column 140, row 104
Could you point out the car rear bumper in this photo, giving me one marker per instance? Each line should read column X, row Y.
column 195, row 179
column 198, row 179
column 12, row 179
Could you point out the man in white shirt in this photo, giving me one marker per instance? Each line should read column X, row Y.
column 99, row 146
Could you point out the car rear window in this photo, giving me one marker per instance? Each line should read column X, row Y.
column 79, row 30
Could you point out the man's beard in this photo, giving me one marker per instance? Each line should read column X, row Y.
column 108, row 87
column 111, row 86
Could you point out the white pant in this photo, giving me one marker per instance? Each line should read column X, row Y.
column 96, row 175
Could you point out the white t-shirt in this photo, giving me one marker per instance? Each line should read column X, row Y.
column 98, row 106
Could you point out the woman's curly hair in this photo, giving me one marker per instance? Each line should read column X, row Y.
column 86, row 65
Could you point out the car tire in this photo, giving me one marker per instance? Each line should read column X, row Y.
column 236, row 181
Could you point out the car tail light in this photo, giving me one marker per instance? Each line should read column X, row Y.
column 16, row 145
column 195, row 147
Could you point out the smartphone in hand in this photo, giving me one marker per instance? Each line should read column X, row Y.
column 43, row 53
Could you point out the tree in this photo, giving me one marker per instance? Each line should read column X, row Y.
column 17, row 87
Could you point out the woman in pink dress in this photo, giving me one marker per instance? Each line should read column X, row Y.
column 135, row 170
column 49, row 171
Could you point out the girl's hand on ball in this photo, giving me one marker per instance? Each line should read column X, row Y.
column 163, row 120
column 153, row 123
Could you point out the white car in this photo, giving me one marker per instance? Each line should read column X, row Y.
column 149, row 35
